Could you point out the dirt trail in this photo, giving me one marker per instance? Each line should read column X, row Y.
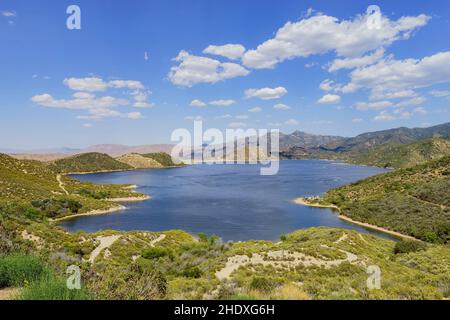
column 9, row 293
column 61, row 184
column 280, row 259
column 160, row 238
column 105, row 242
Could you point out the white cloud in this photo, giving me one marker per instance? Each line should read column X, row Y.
column 93, row 84
column 87, row 125
column 237, row 125
column 392, row 75
column 242, row 117
column 414, row 102
column 255, row 109
column 281, row 106
column 357, row 120
column 329, row 99
column 9, row 14
column 351, row 63
column 90, row 84
column 83, row 95
column 266, row 93
column 378, row 94
column 440, row 93
column 327, row 85
column 319, row 34
column 141, row 99
column 47, row 100
column 197, row 103
column 292, row 122
column 195, row 69
column 373, row 105
column 134, row 115
column 130, row 84
column 222, row 103
column 384, row 116
column 230, row 51
column 420, row 110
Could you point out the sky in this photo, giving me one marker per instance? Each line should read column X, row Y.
column 138, row 70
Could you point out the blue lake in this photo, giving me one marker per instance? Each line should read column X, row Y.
column 232, row 201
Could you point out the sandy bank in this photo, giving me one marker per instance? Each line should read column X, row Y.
column 305, row 202
column 129, row 199
column 91, row 213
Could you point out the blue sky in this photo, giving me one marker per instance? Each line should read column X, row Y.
column 137, row 70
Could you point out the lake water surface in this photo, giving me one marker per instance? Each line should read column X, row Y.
column 232, row 201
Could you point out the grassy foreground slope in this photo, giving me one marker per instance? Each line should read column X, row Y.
column 403, row 155
column 88, row 162
column 32, row 183
column 413, row 201
column 317, row 263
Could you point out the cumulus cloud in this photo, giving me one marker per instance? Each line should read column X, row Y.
column 93, row 84
column 197, row 103
column 86, row 102
column 414, row 102
column 255, row 109
column 281, row 106
column 90, row 84
column 392, row 75
column 266, row 93
column 193, row 69
column 222, row 103
column 141, row 99
column 378, row 94
column 230, row 51
column 98, row 107
column 373, row 105
column 351, row 63
column 327, row 85
column 357, row 120
column 329, row 99
column 242, row 117
column 319, row 34
column 384, row 116
column 129, row 84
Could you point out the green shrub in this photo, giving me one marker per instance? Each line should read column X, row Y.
column 193, row 272
column 202, row 237
column 52, row 288
column 53, row 207
column 18, row 269
column 157, row 252
column 408, row 246
column 262, row 284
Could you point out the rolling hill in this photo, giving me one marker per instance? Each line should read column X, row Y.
column 36, row 185
column 88, row 162
column 413, row 201
column 403, row 155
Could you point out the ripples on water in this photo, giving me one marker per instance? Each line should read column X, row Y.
column 231, row 201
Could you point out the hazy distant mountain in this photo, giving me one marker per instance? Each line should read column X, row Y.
column 113, row 150
column 116, row 150
column 307, row 140
column 402, row 135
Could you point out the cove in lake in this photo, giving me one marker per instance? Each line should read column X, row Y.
column 232, row 201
